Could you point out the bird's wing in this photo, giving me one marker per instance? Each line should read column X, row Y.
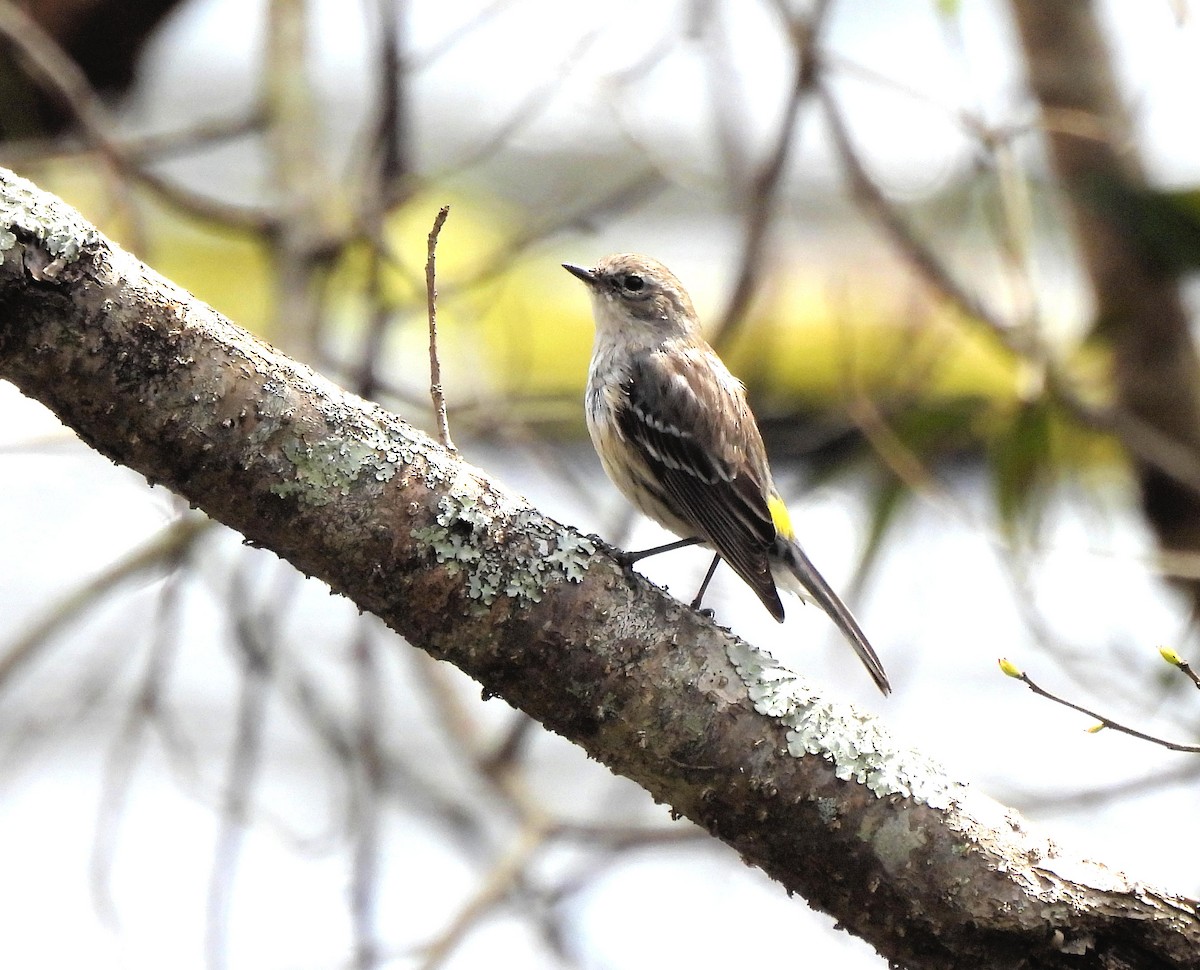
column 688, row 420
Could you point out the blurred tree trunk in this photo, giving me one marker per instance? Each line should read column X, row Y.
column 1138, row 307
column 104, row 37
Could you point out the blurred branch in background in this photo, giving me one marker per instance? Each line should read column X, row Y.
column 59, row 77
column 389, row 180
column 304, row 241
column 103, row 37
column 165, row 552
column 765, row 189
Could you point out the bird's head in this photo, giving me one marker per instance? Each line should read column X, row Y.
column 632, row 291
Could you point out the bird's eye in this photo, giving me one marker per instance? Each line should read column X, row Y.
column 633, row 282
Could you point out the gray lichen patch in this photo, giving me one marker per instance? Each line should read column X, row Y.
column 502, row 547
column 857, row 745
column 26, row 209
column 327, row 467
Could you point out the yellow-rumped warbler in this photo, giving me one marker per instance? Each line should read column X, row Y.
column 674, row 433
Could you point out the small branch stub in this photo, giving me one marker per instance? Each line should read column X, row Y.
column 435, row 366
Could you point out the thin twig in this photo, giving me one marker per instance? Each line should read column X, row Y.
column 255, row 633
column 1092, row 799
column 384, row 185
column 140, row 149
column 1105, row 721
column 870, row 198
column 435, row 365
column 458, row 723
column 1186, row 668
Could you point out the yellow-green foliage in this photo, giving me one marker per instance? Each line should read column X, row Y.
column 520, row 329
column 804, row 346
column 225, row 268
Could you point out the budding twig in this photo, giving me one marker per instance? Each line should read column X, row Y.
column 1012, row 670
column 1176, row 661
column 435, row 366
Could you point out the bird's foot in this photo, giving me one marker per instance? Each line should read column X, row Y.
column 626, row 559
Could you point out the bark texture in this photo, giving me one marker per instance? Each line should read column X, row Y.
column 821, row 797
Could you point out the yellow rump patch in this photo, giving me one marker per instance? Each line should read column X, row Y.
column 779, row 516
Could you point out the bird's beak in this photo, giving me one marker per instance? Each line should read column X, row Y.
column 586, row 275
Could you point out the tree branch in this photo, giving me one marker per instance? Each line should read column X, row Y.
column 818, row 795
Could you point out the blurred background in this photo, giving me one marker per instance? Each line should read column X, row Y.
column 988, row 433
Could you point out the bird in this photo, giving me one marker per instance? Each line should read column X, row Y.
column 675, row 434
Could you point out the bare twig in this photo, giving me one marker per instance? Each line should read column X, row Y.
column 435, row 365
column 393, row 130
column 1190, row 673
column 141, row 149
column 463, row 732
column 530, row 107
column 896, row 229
column 1017, row 674
column 1092, row 799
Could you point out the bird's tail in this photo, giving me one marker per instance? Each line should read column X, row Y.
column 794, row 570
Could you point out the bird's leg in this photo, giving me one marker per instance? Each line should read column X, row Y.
column 704, row 585
column 629, row 558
